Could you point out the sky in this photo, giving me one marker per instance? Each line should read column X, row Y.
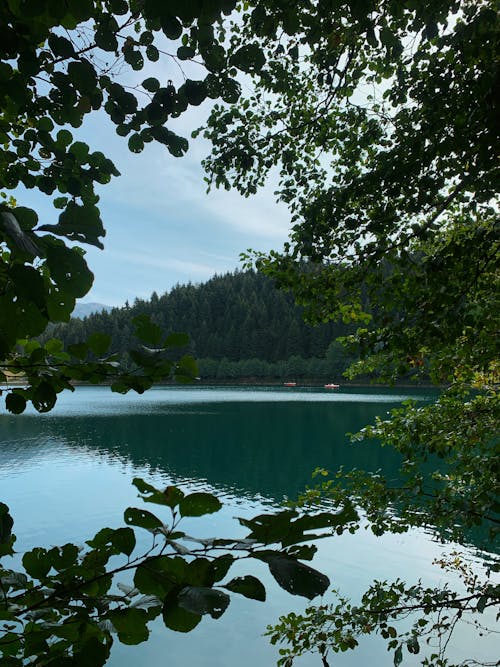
column 162, row 228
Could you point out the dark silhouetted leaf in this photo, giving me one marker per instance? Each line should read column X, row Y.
column 248, row 586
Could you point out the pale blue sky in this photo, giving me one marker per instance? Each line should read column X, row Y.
column 162, row 227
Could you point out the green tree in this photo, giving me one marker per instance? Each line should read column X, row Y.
column 381, row 119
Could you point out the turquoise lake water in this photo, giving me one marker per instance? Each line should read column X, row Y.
column 66, row 474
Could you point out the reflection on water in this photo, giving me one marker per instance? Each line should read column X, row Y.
column 66, row 474
column 255, row 442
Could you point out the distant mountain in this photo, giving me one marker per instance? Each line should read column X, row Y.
column 85, row 309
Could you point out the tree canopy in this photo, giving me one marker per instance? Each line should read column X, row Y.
column 381, row 121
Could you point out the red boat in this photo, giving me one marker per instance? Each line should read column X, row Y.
column 289, row 384
column 332, row 386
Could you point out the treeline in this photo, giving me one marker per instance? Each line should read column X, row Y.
column 240, row 326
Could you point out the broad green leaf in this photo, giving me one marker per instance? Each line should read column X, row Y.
column 44, row 397
column 249, row 58
column 82, row 75
column 249, row 586
column 195, row 91
column 201, row 600
column 98, row 343
column 131, row 625
column 151, row 84
column 176, row 340
column 78, row 350
column 176, row 617
column 185, row 52
column 29, row 284
column 6, row 523
column 60, row 46
column 152, row 495
column 161, row 575
column 198, row 504
column 15, row 403
column 146, row 330
column 37, row 563
column 69, row 270
column 293, row 576
column 142, row 518
column 172, row 27
column 121, row 540
column 135, row 143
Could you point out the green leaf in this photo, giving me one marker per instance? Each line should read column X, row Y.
column 481, row 603
column 249, row 58
column 185, row 53
column 146, row 330
column 186, row 369
column 119, row 540
column 83, row 75
column 177, row 618
column 195, row 91
column 29, row 284
column 413, row 645
column 37, row 563
column 80, row 150
column 170, row 497
column 151, row 84
column 202, row 600
column 295, row 577
column 176, row 340
column 135, row 143
column 6, row 524
column 98, row 343
column 221, row 566
column 249, row 586
column 172, row 27
column 15, row 403
column 152, row 53
column 131, row 625
column 142, row 518
column 78, row 350
column 64, row 138
column 161, row 575
column 198, row 504
column 398, row 656
column 26, row 217
column 69, row 270
column 44, row 397
column 60, row 46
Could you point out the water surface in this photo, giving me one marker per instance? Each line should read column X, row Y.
column 66, row 474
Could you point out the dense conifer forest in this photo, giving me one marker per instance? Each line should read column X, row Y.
column 240, row 326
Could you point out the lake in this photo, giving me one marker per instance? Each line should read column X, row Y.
column 68, row 473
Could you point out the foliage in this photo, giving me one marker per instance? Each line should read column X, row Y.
column 66, row 605
column 381, row 120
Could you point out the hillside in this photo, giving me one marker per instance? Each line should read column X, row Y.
column 231, row 319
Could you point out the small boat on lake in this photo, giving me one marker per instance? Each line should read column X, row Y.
column 289, row 384
column 331, row 386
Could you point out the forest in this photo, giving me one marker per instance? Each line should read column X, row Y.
column 239, row 324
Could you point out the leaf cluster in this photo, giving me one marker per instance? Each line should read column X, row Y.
column 67, row 606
